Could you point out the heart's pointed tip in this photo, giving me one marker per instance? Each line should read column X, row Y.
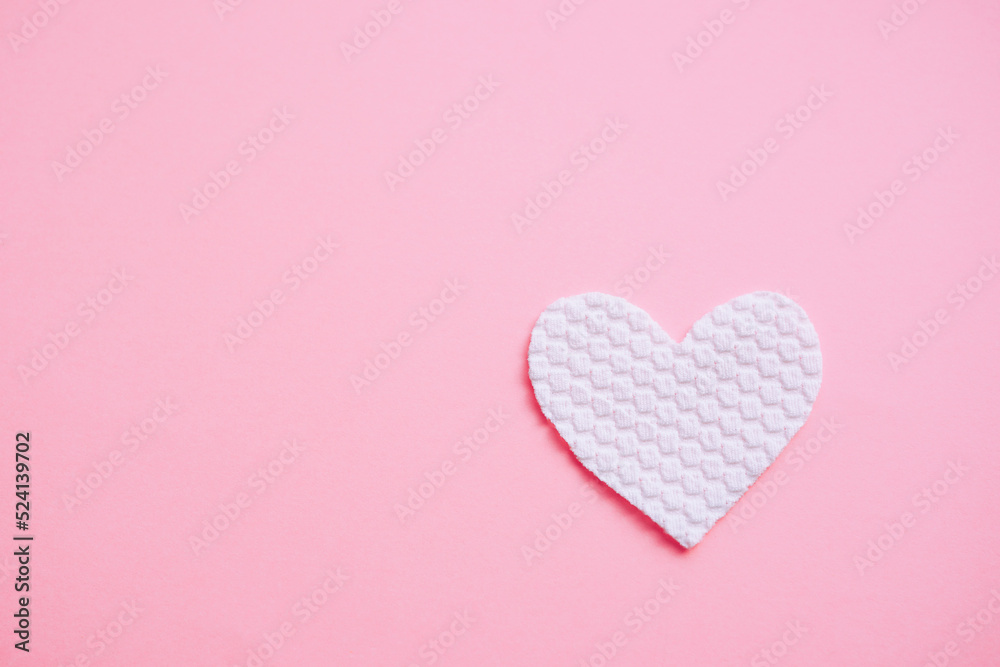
column 688, row 542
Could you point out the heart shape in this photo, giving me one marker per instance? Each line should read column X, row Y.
column 680, row 430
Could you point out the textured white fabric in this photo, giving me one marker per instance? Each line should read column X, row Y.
column 680, row 430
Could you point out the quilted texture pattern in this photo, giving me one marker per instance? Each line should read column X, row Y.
column 680, row 430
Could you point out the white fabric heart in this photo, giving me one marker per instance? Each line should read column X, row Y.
column 680, row 430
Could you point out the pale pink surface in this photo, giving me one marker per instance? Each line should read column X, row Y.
column 164, row 335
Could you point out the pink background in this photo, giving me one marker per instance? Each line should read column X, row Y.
column 334, row 506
